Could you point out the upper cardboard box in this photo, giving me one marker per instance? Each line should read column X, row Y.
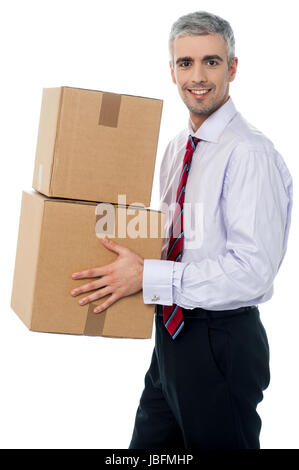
column 94, row 145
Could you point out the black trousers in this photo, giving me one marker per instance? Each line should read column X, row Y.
column 202, row 388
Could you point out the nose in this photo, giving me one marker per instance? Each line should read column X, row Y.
column 198, row 74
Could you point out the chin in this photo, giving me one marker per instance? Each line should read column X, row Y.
column 201, row 109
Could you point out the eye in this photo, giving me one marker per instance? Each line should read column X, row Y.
column 185, row 63
column 215, row 62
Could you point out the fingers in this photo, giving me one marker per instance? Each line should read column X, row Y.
column 106, row 284
column 104, row 281
column 94, row 272
column 100, row 308
column 96, row 295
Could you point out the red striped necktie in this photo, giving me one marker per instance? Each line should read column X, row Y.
column 172, row 314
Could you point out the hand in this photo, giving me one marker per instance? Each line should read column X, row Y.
column 121, row 278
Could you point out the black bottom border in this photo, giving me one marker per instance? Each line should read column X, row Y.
column 145, row 459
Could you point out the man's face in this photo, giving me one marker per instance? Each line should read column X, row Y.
column 200, row 63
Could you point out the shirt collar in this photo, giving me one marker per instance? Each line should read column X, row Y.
column 214, row 125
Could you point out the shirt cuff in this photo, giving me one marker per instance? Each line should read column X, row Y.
column 157, row 281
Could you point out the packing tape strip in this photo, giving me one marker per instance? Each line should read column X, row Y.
column 94, row 324
column 109, row 111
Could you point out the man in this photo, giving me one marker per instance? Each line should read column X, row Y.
column 210, row 364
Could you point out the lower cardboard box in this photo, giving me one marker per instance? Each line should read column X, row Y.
column 60, row 236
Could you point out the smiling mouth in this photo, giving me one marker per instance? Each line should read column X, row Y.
column 200, row 92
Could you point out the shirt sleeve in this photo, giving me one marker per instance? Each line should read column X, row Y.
column 256, row 210
column 157, row 281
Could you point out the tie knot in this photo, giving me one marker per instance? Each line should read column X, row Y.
column 192, row 142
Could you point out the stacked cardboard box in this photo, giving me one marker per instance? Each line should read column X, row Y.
column 93, row 175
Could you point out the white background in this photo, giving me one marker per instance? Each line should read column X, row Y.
column 63, row 391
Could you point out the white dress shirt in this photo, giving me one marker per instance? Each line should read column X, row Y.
column 237, row 215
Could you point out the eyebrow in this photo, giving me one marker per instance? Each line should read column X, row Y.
column 206, row 57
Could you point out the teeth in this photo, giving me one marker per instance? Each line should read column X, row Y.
column 197, row 92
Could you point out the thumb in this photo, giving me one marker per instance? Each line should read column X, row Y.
column 112, row 245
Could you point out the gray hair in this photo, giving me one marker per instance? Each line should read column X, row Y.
column 202, row 23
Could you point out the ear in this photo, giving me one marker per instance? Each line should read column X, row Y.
column 233, row 69
column 172, row 72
